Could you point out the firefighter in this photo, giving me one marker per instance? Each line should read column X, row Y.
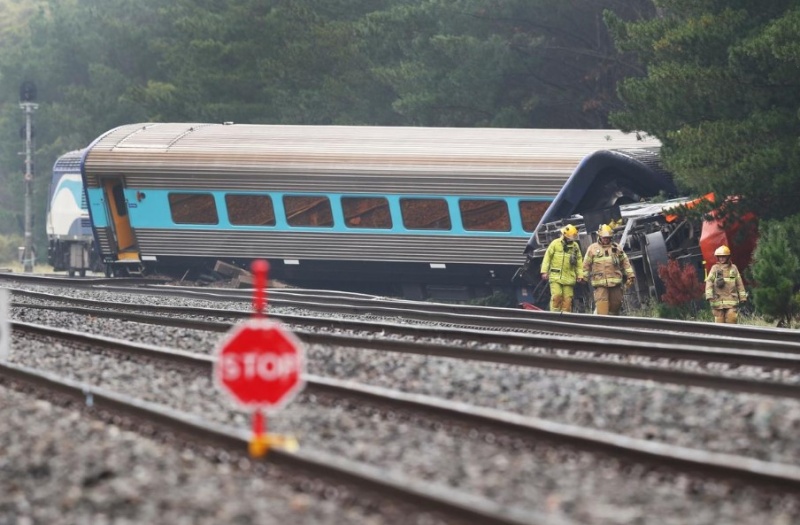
column 724, row 287
column 561, row 266
column 606, row 266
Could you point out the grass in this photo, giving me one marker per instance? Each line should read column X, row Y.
column 701, row 315
column 16, row 267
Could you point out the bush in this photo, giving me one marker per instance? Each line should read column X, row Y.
column 497, row 299
column 684, row 295
column 776, row 271
column 9, row 248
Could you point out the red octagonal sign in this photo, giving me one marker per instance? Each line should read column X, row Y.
column 260, row 364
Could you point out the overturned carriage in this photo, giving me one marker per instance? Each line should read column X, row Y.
column 650, row 233
column 418, row 212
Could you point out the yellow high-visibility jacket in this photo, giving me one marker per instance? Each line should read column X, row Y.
column 562, row 262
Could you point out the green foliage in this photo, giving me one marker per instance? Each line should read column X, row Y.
column 497, row 299
column 520, row 63
column 721, row 93
column 697, row 311
column 9, row 248
column 776, row 270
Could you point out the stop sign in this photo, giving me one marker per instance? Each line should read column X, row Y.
column 260, row 364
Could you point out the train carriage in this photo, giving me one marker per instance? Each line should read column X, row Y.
column 69, row 231
column 443, row 212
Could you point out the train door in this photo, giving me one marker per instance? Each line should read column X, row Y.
column 126, row 246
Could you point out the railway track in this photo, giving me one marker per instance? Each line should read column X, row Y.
column 339, row 405
column 498, row 423
column 454, row 505
column 327, row 301
column 341, row 302
column 449, row 342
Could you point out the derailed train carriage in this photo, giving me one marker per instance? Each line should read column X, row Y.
column 652, row 234
column 418, row 212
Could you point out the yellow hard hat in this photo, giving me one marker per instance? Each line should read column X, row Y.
column 605, row 231
column 722, row 251
column 570, row 232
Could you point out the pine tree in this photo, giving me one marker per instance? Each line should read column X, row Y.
column 776, row 270
column 721, row 93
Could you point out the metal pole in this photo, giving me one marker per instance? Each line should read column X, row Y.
column 28, row 256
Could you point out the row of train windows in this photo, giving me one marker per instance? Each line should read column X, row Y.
column 359, row 212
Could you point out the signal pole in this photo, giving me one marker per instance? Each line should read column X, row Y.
column 27, row 94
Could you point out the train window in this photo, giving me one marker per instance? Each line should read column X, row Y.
column 193, row 208
column 485, row 215
column 366, row 212
column 425, row 214
column 250, row 210
column 531, row 212
column 308, row 211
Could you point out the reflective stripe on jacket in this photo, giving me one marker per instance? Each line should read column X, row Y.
column 606, row 266
column 724, row 286
column 561, row 263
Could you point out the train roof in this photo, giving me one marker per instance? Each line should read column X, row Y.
column 69, row 161
column 174, row 148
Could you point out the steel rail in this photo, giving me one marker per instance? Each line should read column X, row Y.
column 490, row 327
column 426, row 495
column 719, row 465
column 683, row 332
column 80, row 282
column 319, row 298
column 548, row 362
column 778, row 355
column 327, row 299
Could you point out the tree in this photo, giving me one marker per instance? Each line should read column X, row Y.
column 721, row 93
column 518, row 63
column 251, row 61
column 776, row 270
column 86, row 57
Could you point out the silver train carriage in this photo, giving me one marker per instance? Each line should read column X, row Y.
column 418, row 212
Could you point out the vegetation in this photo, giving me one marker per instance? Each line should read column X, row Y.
column 9, row 248
column 716, row 81
column 721, row 93
column 684, row 290
column 776, row 270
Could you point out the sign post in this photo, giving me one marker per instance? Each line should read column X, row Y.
column 5, row 327
column 260, row 365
